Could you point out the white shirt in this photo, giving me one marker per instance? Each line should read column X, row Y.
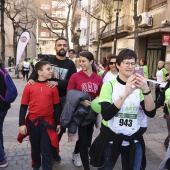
column 109, row 77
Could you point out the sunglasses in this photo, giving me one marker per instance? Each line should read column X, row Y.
column 111, row 63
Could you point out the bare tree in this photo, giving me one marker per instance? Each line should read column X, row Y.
column 22, row 15
column 2, row 30
column 107, row 7
column 61, row 21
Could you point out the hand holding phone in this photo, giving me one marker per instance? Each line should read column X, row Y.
column 139, row 70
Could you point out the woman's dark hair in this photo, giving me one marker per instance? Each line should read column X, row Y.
column 39, row 65
column 71, row 50
column 104, row 62
column 111, row 57
column 89, row 56
column 143, row 60
column 126, row 54
column 26, row 59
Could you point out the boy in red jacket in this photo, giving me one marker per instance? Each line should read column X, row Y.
column 42, row 121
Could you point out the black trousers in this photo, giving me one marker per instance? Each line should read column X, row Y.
column 85, row 137
column 40, row 146
column 25, row 74
column 54, row 152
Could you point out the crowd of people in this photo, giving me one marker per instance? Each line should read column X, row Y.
column 58, row 98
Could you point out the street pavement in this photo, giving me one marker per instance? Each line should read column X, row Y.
column 18, row 154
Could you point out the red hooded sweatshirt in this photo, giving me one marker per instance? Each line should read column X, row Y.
column 89, row 84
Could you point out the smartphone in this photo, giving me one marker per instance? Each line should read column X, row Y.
column 139, row 70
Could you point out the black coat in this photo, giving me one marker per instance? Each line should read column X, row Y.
column 106, row 135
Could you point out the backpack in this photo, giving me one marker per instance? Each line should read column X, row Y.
column 11, row 90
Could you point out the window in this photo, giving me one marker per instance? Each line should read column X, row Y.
column 45, row 25
column 79, row 3
column 156, row 3
column 58, row 14
column 44, row 34
column 84, row 32
column 58, row 4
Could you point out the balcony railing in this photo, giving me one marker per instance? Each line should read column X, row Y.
column 123, row 26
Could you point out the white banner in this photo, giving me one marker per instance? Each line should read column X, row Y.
column 22, row 42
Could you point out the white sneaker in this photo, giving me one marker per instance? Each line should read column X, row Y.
column 76, row 159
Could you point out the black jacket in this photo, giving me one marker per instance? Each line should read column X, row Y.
column 3, row 105
column 63, row 71
column 106, row 135
column 161, row 99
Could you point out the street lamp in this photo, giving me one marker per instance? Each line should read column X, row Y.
column 117, row 8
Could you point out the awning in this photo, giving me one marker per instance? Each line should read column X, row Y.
column 107, row 44
column 151, row 32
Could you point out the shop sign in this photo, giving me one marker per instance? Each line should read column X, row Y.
column 166, row 39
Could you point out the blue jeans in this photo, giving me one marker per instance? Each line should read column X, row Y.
column 109, row 162
column 2, row 117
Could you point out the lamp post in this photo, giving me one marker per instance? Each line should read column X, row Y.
column 136, row 22
column 117, row 8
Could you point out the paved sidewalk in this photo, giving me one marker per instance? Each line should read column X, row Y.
column 19, row 154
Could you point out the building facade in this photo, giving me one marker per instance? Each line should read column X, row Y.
column 153, row 26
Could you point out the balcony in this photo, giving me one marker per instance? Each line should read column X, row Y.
column 123, row 29
column 94, row 36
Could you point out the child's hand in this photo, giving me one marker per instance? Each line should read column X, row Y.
column 23, row 130
column 58, row 129
column 31, row 82
column 85, row 103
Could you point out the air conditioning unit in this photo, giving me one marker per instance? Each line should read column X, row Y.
column 165, row 22
column 145, row 20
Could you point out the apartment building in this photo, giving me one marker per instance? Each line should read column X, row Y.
column 153, row 28
column 51, row 24
column 154, row 24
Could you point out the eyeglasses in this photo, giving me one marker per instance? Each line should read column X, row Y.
column 111, row 63
column 127, row 64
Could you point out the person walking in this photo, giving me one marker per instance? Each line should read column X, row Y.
column 63, row 68
column 4, row 107
column 89, row 82
column 42, row 121
column 25, row 68
column 162, row 75
column 71, row 53
column 9, row 62
column 121, row 131
column 160, row 102
column 111, row 72
column 142, row 63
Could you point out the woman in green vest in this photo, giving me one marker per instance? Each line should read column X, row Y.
column 142, row 63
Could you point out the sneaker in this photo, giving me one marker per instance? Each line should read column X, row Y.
column 76, row 159
column 3, row 163
column 57, row 159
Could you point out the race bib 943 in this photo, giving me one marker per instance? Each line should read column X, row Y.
column 126, row 121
